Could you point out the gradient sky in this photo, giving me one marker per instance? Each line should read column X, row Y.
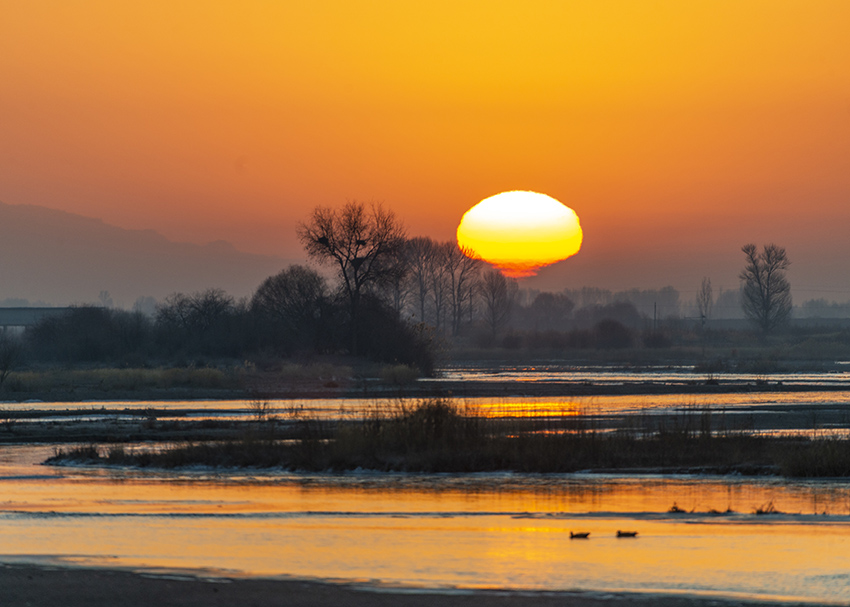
column 678, row 131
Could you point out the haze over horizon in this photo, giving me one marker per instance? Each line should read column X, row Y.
column 60, row 258
column 677, row 131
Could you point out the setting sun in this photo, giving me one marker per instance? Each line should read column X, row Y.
column 520, row 232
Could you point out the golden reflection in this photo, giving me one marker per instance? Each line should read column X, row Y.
column 467, row 531
column 529, row 408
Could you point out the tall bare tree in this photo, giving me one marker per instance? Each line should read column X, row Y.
column 419, row 255
column 705, row 300
column 438, row 283
column 362, row 242
column 463, row 270
column 766, row 296
column 497, row 294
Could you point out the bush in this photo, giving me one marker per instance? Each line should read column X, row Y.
column 385, row 337
column 90, row 334
column 612, row 334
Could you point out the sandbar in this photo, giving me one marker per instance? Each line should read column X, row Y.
column 24, row 585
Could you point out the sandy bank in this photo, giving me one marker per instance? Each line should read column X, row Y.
column 24, row 586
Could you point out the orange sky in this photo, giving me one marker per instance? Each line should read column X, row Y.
column 690, row 127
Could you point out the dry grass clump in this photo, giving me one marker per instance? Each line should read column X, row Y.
column 245, row 453
column 823, row 457
column 767, row 508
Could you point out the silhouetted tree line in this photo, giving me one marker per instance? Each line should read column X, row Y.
column 431, row 292
column 392, row 299
column 291, row 313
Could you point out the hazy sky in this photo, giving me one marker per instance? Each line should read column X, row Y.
column 678, row 131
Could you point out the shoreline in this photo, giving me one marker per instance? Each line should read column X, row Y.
column 423, row 388
column 22, row 585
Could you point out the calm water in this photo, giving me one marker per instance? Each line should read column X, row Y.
column 450, row 531
column 837, row 376
column 817, row 412
column 469, row 531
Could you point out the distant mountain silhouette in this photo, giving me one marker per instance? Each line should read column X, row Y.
column 62, row 258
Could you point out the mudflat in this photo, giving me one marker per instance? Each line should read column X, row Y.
column 31, row 586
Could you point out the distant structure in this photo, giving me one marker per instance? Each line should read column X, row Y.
column 26, row 317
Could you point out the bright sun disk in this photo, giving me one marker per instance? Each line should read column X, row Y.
column 520, row 232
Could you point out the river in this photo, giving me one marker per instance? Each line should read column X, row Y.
column 436, row 531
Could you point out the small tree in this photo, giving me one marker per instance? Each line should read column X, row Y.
column 290, row 304
column 705, row 300
column 105, row 299
column 766, row 296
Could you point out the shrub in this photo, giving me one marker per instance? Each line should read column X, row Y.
column 612, row 334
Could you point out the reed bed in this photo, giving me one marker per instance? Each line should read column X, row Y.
column 437, row 435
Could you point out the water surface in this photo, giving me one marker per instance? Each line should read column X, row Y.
column 468, row 531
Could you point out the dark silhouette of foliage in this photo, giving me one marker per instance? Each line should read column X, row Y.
column 384, row 336
column 623, row 312
column 612, row 334
column 550, row 311
column 290, row 308
column 11, row 354
column 205, row 323
column 90, row 334
column 656, row 339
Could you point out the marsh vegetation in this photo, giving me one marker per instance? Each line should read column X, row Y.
column 436, row 435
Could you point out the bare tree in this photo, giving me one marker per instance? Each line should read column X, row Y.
column 462, row 269
column 398, row 288
column 362, row 242
column 175, row 311
column 105, row 299
column 196, row 315
column 497, row 295
column 210, row 306
column 419, row 255
column 766, row 296
column 439, row 287
column 705, row 300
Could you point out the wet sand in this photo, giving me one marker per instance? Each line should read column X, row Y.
column 31, row 586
